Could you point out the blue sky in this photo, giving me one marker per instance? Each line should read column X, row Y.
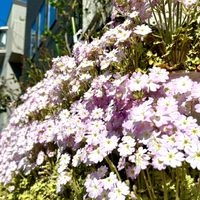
column 5, row 6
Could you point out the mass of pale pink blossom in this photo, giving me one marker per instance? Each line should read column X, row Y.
column 82, row 113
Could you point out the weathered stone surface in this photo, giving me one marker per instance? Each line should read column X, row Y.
column 195, row 76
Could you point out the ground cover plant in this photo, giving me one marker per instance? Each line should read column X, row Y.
column 108, row 122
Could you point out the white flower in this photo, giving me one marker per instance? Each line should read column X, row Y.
column 97, row 113
column 65, row 159
column 142, row 30
column 197, row 108
column 13, row 166
column 76, row 158
column 93, row 187
column 75, row 88
column 123, row 35
column 85, row 76
column 96, row 155
column 94, row 137
column 172, row 157
column 127, row 147
column 188, row 3
column 140, row 158
column 108, row 144
column 63, row 179
column 11, row 188
column 110, row 181
column 134, row 14
column 159, row 75
column 119, row 192
column 40, row 158
column 194, row 156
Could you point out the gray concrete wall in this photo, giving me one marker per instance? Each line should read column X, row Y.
column 14, row 48
column 95, row 14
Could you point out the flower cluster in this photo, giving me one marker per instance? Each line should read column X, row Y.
column 123, row 121
column 141, row 119
column 106, row 188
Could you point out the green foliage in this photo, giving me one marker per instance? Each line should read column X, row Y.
column 7, row 95
column 177, row 48
column 61, row 38
column 180, row 184
column 40, row 184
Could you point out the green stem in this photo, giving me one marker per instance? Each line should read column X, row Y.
column 150, row 182
column 198, row 189
column 158, row 24
column 112, row 167
column 73, row 25
column 147, row 185
column 177, row 184
column 166, row 21
column 76, row 188
column 165, row 186
column 170, row 20
column 177, row 14
column 180, row 14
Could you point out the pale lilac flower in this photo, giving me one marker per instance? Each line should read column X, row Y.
column 121, row 163
column 64, row 162
column 123, row 35
column 85, row 77
column 12, row 166
column 143, row 112
column 130, row 171
column 76, row 158
column 95, row 137
column 185, row 123
column 101, row 171
column 194, row 131
column 11, row 188
column 182, row 85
